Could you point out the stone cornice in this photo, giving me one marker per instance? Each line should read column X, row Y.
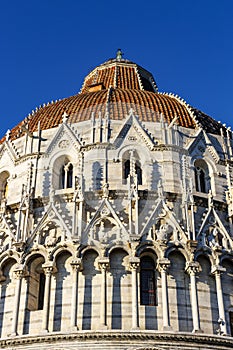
column 27, row 157
column 176, row 148
column 156, row 338
column 98, row 145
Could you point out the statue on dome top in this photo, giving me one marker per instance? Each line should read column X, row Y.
column 119, row 55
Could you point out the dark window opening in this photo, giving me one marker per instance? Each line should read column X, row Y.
column 67, row 176
column 63, row 177
column 200, row 180
column 97, row 173
column 139, row 173
column 220, row 239
column 41, row 291
column 231, row 322
column 126, row 171
column 147, row 281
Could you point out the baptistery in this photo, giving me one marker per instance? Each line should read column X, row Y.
column 116, row 232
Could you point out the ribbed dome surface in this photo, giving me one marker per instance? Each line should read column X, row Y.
column 115, row 87
column 121, row 74
column 147, row 105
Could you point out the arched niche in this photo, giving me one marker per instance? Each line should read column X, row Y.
column 4, row 176
column 8, row 284
column 227, row 283
column 50, row 234
column 148, row 278
column 36, row 283
column 90, row 291
column 207, row 297
column 119, row 288
column 179, row 295
column 60, row 302
column 35, row 288
column 149, row 289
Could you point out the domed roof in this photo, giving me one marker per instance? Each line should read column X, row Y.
column 115, row 87
column 119, row 73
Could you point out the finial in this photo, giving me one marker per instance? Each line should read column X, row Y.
column 8, row 135
column 131, row 112
column 119, row 55
column 64, row 117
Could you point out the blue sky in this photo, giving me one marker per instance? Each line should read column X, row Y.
column 47, row 48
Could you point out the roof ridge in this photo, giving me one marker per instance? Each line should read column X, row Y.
column 115, row 76
column 139, row 78
column 187, row 105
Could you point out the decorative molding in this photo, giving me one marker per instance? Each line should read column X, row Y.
column 157, row 338
column 63, row 129
column 133, row 122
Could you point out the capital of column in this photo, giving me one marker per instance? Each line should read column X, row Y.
column 76, row 264
column 103, row 264
column 134, row 263
column 192, row 267
column 217, row 269
column 163, row 264
column 49, row 268
column 20, row 271
column 192, row 244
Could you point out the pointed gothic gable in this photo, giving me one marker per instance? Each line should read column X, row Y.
column 133, row 128
column 162, row 211
column 212, row 232
column 63, row 138
column 105, row 214
column 157, row 209
column 7, row 231
column 8, row 149
column 51, row 215
column 202, row 142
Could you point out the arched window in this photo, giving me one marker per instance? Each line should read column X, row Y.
column 126, row 171
column 139, row 173
column 147, row 281
column 36, row 285
column 4, row 176
column 201, row 176
column 200, row 180
column 41, row 291
column 97, row 175
column 67, row 176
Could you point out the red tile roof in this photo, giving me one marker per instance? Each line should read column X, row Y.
column 121, row 74
column 122, row 85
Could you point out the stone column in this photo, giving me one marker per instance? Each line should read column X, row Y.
column 192, row 268
column 49, row 269
column 134, row 265
column 66, row 169
column 18, row 231
column 78, row 207
column 103, row 265
column 216, row 271
column 163, row 265
column 19, row 273
column 76, row 267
